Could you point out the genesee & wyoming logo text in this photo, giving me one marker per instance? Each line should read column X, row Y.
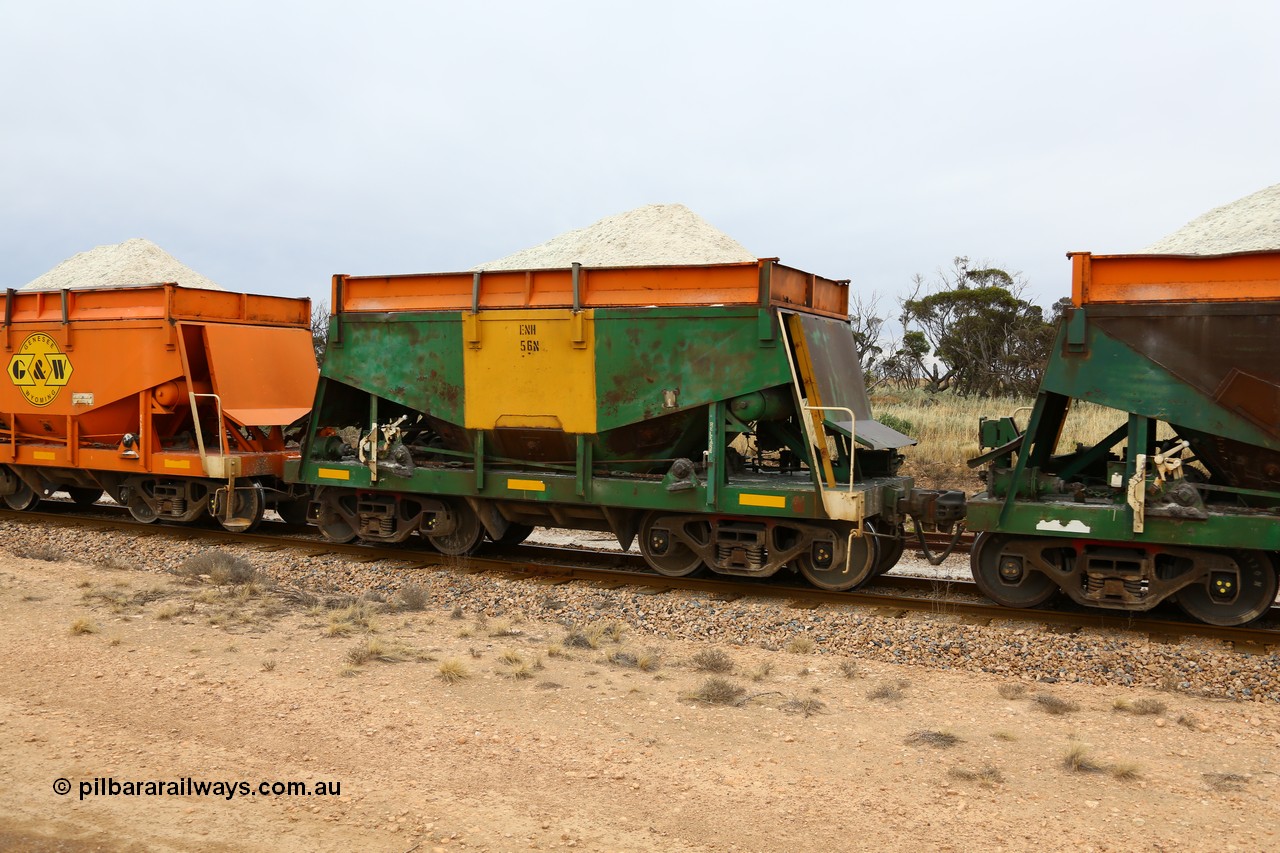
column 39, row 369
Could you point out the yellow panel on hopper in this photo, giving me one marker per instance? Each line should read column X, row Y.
column 528, row 369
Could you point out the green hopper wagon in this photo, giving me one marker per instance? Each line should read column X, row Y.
column 1181, row 502
column 715, row 413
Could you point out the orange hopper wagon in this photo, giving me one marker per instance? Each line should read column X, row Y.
column 174, row 401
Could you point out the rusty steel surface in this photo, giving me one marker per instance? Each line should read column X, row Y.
column 169, row 302
column 930, row 596
column 1239, row 277
column 762, row 283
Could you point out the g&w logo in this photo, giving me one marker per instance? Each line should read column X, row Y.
column 39, row 369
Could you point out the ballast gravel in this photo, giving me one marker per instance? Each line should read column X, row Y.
column 1007, row 650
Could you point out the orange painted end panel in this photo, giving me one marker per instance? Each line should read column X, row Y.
column 729, row 284
column 598, row 287
column 1242, row 277
column 265, row 376
column 735, row 284
column 796, row 287
column 192, row 303
column 156, row 302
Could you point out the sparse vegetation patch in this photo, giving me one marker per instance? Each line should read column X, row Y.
column 1053, row 705
column 942, row 739
column 1077, row 760
column 888, row 690
column 712, row 660
column 1139, row 707
column 718, row 691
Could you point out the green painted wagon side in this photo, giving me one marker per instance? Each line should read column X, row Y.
column 681, row 424
column 1181, row 502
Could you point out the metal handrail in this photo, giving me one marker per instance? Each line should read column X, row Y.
column 853, row 421
column 222, row 431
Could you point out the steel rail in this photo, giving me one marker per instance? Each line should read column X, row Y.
column 610, row 568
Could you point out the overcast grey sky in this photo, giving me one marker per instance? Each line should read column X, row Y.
column 270, row 144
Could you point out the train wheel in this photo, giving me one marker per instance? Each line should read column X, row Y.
column 335, row 528
column 1007, row 582
column 516, row 533
column 140, row 509
column 467, row 533
column 1231, row 598
column 331, row 523
column 664, row 553
column 83, row 496
column 23, row 499
column 826, row 564
column 247, row 503
column 891, row 552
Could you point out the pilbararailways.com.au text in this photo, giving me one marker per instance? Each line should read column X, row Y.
column 109, row 786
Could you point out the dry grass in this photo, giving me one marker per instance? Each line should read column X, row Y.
column 942, row 739
column 115, row 600
column 800, row 645
column 948, row 425
column 849, row 668
column 718, row 691
column 712, row 660
column 1125, row 771
column 1053, row 705
column 452, row 671
column 357, row 617
column 1225, row 781
column 762, row 672
column 577, row 639
column 413, row 596
column 167, row 612
column 83, row 626
column 1139, row 707
column 518, row 673
column 987, row 775
column 268, row 665
column 456, row 612
column 1012, row 690
column 301, row 597
column 1077, row 760
column 372, row 649
column 1008, row 737
column 613, row 631
column 1190, row 721
column 648, row 661
column 511, row 657
column 220, row 569
column 889, row 691
column 807, row 706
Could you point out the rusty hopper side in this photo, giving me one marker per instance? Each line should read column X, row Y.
column 1181, row 499
column 163, row 396
column 625, row 399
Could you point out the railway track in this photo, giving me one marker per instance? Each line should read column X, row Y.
column 890, row 596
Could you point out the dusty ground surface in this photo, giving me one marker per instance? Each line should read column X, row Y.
column 112, row 671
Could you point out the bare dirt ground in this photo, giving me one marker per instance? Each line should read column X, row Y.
column 542, row 744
